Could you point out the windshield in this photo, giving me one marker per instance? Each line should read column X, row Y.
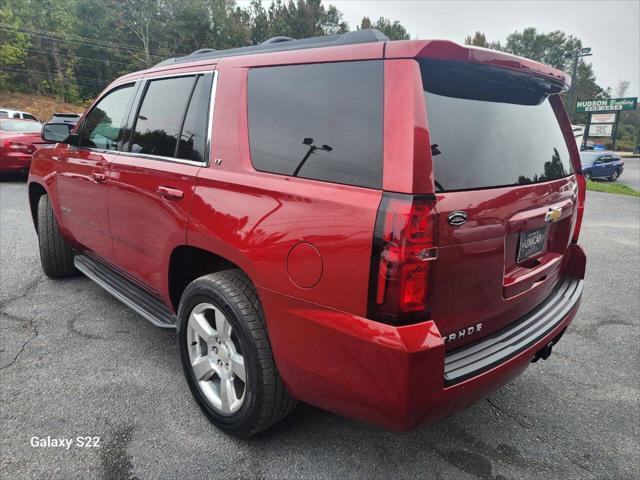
column 490, row 130
column 20, row 126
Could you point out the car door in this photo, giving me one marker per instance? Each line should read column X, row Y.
column 599, row 167
column 154, row 178
column 83, row 172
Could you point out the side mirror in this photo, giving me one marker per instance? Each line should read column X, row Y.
column 56, row 132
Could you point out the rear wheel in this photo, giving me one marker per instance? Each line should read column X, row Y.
column 614, row 176
column 56, row 255
column 226, row 355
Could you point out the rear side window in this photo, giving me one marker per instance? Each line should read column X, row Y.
column 160, row 116
column 193, row 136
column 321, row 121
column 103, row 127
column 490, row 127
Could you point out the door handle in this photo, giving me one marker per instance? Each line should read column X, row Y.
column 170, row 193
column 98, row 176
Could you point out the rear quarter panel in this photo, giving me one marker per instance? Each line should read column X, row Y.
column 254, row 219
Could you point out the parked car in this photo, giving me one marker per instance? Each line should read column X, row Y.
column 70, row 118
column 18, row 140
column 310, row 218
column 7, row 113
column 599, row 164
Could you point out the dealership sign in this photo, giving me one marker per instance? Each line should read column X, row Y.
column 603, row 118
column 607, row 104
column 601, row 130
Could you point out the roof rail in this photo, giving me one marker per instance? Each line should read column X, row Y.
column 281, row 44
column 276, row 40
column 203, row 50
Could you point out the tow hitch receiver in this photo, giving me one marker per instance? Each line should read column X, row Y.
column 545, row 351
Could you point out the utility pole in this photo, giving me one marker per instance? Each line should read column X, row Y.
column 575, row 55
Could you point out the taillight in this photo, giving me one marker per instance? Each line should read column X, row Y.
column 582, row 194
column 402, row 259
column 20, row 147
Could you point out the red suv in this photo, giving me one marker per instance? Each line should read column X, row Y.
column 387, row 230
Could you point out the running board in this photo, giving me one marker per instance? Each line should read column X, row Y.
column 126, row 291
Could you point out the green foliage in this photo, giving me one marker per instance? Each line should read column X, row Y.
column 394, row 30
column 611, row 187
column 73, row 48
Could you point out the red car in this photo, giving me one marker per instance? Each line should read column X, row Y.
column 18, row 140
column 387, row 230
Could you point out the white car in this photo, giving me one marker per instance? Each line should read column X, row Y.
column 7, row 113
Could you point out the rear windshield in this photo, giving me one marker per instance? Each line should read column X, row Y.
column 490, row 127
column 20, row 126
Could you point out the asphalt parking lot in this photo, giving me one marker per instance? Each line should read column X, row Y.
column 76, row 362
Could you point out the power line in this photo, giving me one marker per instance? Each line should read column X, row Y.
column 87, row 43
column 40, row 52
column 74, row 38
column 77, row 79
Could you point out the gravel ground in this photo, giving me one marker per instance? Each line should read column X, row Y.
column 76, row 362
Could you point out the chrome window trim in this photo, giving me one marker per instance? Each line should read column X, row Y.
column 161, row 158
column 212, row 100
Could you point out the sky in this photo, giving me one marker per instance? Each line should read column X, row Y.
column 611, row 28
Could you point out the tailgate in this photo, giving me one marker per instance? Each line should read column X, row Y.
column 506, row 195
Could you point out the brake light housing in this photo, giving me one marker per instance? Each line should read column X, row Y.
column 582, row 195
column 402, row 260
column 19, row 147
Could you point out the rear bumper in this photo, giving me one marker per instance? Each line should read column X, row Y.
column 14, row 162
column 401, row 377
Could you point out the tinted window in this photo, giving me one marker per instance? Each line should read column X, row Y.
column 319, row 121
column 26, row 116
column 503, row 130
column 160, row 116
column 103, row 127
column 193, row 136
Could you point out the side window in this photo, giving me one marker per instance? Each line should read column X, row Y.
column 160, row 116
column 26, row 116
column 321, row 121
column 16, row 115
column 193, row 137
column 104, row 126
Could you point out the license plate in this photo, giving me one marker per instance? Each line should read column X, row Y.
column 532, row 243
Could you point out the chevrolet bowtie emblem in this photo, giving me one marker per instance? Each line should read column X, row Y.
column 553, row 215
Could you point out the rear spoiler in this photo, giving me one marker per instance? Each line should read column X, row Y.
column 447, row 50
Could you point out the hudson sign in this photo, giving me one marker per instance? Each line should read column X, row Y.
column 607, row 104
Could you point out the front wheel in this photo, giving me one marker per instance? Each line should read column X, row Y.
column 614, row 176
column 56, row 255
column 226, row 355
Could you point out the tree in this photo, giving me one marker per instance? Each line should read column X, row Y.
column 394, row 30
column 479, row 39
column 622, row 87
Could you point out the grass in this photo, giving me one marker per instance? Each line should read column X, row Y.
column 611, row 187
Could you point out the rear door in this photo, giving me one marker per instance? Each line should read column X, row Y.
column 506, row 195
column 152, row 181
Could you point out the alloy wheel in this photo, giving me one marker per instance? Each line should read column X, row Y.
column 216, row 361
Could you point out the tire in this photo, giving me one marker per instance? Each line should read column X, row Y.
column 614, row 176
column 589, row 176
column 213, row 300
column 56, row 255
